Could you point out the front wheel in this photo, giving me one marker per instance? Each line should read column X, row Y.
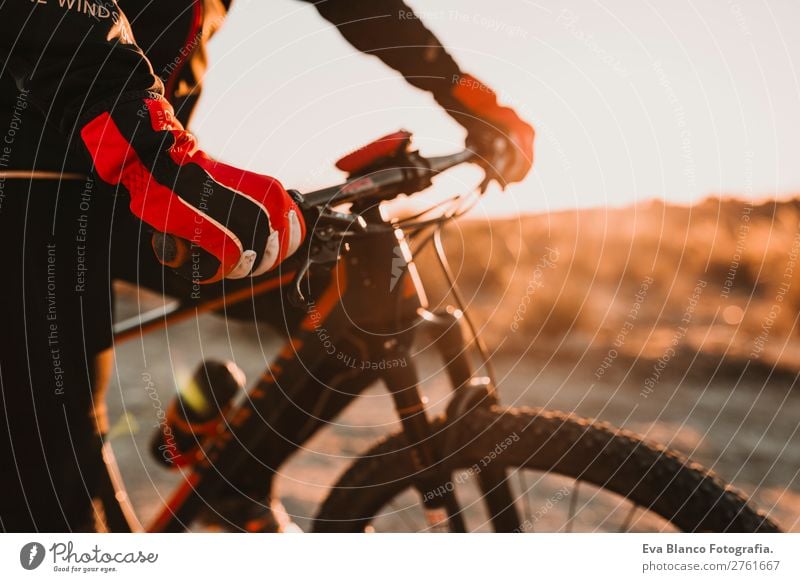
column 551, row 460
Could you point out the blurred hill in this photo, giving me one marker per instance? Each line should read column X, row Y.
column 715, row 285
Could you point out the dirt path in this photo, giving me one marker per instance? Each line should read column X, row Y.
column 747, row 432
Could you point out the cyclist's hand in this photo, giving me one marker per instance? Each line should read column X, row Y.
column 502, row 140
column 232, row 223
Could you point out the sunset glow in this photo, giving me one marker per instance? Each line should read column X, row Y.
column 631, row 101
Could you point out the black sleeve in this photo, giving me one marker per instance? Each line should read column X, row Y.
column 390, row 30
column 73, row 57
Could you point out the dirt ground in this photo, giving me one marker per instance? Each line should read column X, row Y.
column 746, row 430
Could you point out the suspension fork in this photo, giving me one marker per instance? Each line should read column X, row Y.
column 439, row 501
column 470, row 391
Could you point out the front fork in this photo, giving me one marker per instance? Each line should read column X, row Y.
column 442, row 511
column 435, row 482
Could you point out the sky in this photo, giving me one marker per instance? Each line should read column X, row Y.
column 631, row 99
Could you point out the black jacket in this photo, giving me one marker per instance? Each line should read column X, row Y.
column 65, row 60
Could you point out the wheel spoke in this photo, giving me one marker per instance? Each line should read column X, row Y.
column 404, row 517
column 527, row 512
column 573, row 504
column 625, row 527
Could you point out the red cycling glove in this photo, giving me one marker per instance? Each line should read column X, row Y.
column 496, row 133
column 240, row 223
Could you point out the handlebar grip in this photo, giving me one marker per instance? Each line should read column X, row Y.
column 186, row 259
column 170, row 251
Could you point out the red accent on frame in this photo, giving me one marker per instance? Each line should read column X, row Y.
column 230, row 298
column 330, row 297
column 177, row 499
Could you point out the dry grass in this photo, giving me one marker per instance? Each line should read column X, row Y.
column 625, row 279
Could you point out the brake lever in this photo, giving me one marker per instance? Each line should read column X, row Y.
column 326, row 254
column 493, row 172
column 296, row 297
column 326, row 242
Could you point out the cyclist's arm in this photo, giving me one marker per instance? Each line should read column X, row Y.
column 391, row 31
column 58, row 54
column 86, row 75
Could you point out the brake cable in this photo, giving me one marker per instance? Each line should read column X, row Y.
column 438, row 225
column 441, row 256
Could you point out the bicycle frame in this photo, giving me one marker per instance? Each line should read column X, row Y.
column 376, row 298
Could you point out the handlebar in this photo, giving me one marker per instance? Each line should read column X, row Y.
column 360, row 187
column 327, row 240
column 328, row 228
